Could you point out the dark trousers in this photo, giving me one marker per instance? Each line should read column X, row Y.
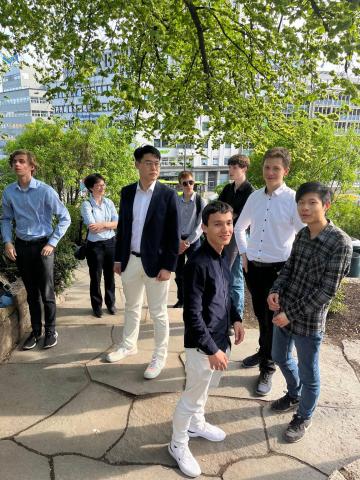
column 179, row 272
column 259, row 280
column 37, row 273
column 100, row 258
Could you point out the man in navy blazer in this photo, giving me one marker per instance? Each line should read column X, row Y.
column 147, row 246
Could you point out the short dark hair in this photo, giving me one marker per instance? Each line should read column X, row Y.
column 239, row 159
column 185, row 174
column 30, row 157
column 279, row 152
column 215, row 207
column 141, row 151
column 323, row 192
column 91, row 179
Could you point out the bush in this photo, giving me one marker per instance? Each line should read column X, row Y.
column 337, row 304
column 345, row 213
column 65, row 264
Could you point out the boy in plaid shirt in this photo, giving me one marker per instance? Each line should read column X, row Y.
column 300, row 298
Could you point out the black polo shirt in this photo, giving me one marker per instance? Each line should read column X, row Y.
column 236, row 198
column 208, row 309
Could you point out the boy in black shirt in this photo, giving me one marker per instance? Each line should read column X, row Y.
column 208, row 313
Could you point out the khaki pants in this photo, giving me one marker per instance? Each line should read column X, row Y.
column 135, row 281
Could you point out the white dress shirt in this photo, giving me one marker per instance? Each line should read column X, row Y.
column 274, row 222
column 141, row 205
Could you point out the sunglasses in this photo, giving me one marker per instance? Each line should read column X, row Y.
column 185, row 183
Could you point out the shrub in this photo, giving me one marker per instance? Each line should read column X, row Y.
column 65, row 264
column 337, row 304
column 345, row 213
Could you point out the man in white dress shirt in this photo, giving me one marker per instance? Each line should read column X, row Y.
column 147, row 246
column 273, row 219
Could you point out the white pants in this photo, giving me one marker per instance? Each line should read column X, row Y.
column 134, row 282
column 190, row 410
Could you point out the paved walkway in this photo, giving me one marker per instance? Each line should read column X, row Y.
column 65, row 414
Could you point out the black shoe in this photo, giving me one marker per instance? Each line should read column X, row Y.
column 264, row 384
column 178, row 304
column 285, row 403
column 111, row 310
column 50, row 339
column 31, row 341
column 251, row 361
column 98, row 313
column 296, row 429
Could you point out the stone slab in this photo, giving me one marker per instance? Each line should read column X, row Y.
column 149, row 431
column 353, row 470
column 76, row 344
column 75, row 468
column 336, row 476
column 17, row 463
column 352, row 351
column 88, row 425
column 128, row 374
column 328, row 445
column 146, row 337
column 30, row 393
column 274, row 467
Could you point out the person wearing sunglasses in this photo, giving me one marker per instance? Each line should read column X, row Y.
column 191, row 206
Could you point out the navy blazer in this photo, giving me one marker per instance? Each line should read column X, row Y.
column 161, row 234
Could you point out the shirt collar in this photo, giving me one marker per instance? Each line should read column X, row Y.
column 323, row 235
column 151, row 188
column 213, row 253
column 192, row 198
column 278, row 191
column 242, row 186
column 33, row 184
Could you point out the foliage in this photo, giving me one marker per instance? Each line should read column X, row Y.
column 345, row 213
column 65, row 263
column 318, row 153
column 7, row 267
column 219, row 188
column 66, row 156
column 239, row 62
column 337, row 304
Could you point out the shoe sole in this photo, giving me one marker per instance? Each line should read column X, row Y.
column 122, row 358
column 249, row 366
column 184, row 472
column 29, row 348
column 299, row 439
column 262, row 394
column 151, row 376
column 53, row 344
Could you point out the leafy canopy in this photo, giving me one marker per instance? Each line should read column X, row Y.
column 238, row 61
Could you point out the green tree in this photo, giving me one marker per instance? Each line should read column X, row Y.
column 238, row 61
column 66, row 156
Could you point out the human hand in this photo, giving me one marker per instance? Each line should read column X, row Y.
column 239, row 332
column 183, row 246
column 163, row 275
column 117, row 268
column 218, row 361
column 10, row 251
column 245, row 262
column 96, row 227
column 280, row 320
column 47, row 250
column 273, row 301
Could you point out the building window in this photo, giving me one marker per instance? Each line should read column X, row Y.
column 227, row 145
column 157, row 142
column 205, row 126
column 215, row 161
column 204, row 161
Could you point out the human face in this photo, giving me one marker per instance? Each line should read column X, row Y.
column 237, row 173
column 312, row 210
column 219, row 230
column 149, row 169
column 274, row 173
column 21, row 166
column 187, row 184
column 99, row 188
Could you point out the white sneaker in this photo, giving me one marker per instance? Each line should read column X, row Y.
column 208, row 431
column 184, row 458
column 154, row 368
column 119, row 354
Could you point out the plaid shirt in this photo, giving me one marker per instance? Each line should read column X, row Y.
column 309, row 279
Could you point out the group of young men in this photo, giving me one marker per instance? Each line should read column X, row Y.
column 291, row 256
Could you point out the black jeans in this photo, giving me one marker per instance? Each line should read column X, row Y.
column 37, row 273
column 100, row 258
column 179, row 272
column 259, row 280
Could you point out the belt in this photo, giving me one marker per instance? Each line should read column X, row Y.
column 32, row 242
column 137, row 254
column 266, row 265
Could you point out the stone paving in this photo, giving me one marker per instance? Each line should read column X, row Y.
column 66, row 414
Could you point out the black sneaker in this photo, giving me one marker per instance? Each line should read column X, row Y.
column 264, row 384
column 296, row 429
column 111, row 310
column 50, row 339
column 31, row 341
column 97, row 313
column 251, row 361
column 285, row 403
